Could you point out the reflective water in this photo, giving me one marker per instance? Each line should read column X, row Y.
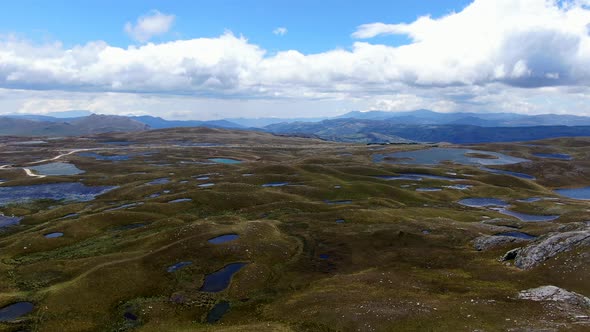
column 159, row 181
column 428, row 189
column 206, row 185
column 13, row 311
column 54, row 235
column 220, row 279
column 181, row 200
column 344, row 201
column 71, row 191
column 225, row 161
column 575, row 193
column 223, row 238
column 436, row 156
column 519, row 235
column 275, row 184
column 6, row 221
column 178, row 266
column 560, row 156
column 483, row 202
column 57, row 168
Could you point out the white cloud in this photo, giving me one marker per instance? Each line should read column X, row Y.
column 147, row 26
column 280, row 31
column 462, row 61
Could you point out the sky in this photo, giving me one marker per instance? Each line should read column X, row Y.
column 224, row 59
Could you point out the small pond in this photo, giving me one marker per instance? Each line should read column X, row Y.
column 575, row 193
column 428, row 189
column 519, row 235
column 159, row 181
column 206, row 185
column 223, row 238
column 56, row 169
column 220, row 279
column 483, row 202
column 526, row 217
column 560, row 156
column 181, row 200
column 178, row 266
column 71, row 191
column 338, row 202
column 53, row 235
column 275, row 184
column 225, row 161
column 16, row 310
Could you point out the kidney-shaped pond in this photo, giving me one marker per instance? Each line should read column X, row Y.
column 15, row 310
column 220, row 279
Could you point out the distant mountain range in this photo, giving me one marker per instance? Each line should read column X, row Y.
column 48, row 126
column 423, row 117
column 358, row 127
column 389, row 131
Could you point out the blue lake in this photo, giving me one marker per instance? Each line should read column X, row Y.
column 223, row 238
column 56, row 169
column 178, row 266
column 436, row 156
column 72, row 191
column 53, row 235
column 560, row 156
column 16, row 310
column 220, row 279
column 9, row 221
column 225, row 161
column 575, row 193
column 519, row 235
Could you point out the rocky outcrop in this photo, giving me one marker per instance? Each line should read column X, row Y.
column 538, row 252
column 488, row 242
column 555, row 294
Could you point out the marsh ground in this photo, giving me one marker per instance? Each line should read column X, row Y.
column 401, row 260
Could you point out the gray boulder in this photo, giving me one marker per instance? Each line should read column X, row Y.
column 540, row 251
column 555, row 294
column 487, row 242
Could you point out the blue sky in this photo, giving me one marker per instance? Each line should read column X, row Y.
column 216, row 59
column 313, row 26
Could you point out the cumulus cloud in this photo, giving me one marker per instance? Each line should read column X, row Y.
column 280, row 31
column 510, row 45
column 147, row 26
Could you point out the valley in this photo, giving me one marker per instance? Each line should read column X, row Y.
column 191, row 229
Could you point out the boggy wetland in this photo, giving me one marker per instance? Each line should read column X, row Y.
column 207, row 229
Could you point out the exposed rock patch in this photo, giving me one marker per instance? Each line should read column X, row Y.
column 540, row 251
column 488, row 242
